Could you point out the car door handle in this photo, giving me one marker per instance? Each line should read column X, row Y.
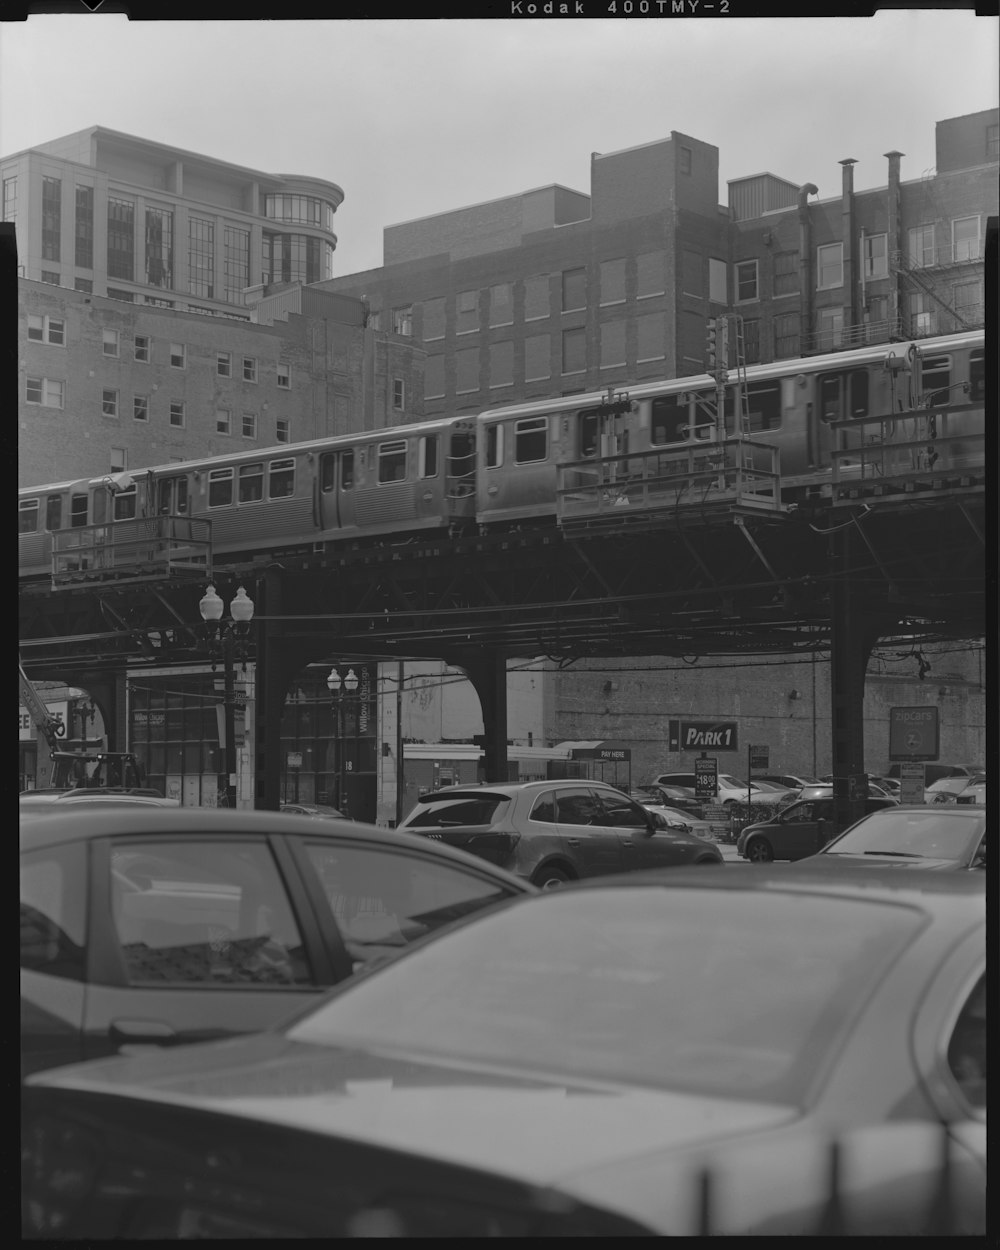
column 628, row 844
column 149, row 1032
column 573, row 841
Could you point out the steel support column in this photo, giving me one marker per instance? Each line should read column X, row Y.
column 489, row 678
column 271, row 685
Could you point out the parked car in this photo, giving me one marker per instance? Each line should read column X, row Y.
column 681, row 798
column 684, row 821
column 948, row 789
column 777, row 791
column 934, row 772
column 662, row 1053
column 911, row 836
column 48, row 800
column 318, row 811
column 796, row 831
column 151, row 927
column 787, row 781
column 974, row 794
column 730, row 789
column 551, row 832
column 824, row 790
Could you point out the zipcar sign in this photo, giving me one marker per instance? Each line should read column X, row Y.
column 701, row 735
column 913, row 733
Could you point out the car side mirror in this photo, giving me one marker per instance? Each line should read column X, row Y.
column 980, row 858
column 659, row 821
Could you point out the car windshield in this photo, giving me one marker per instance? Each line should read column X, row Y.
column 599, row 984
column 933, row 834
column 459, row 809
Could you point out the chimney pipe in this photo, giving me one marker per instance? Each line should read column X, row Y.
column 805, row 266
column 851, row 263
column 894, row 242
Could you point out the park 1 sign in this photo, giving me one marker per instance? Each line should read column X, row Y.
column 700, row 735
column 913, row 733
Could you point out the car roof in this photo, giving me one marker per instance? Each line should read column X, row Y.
column 85, row 824
column 509, row 788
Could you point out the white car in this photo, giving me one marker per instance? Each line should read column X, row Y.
column 731, row 789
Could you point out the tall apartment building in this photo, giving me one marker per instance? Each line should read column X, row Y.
column 553, row 291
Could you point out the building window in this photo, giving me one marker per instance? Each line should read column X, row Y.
column 537, row 358
column 110, row 342
column 118, row 462
column 651, row 333
column 249, row 425
column 45, row 391
column 46, row 330
column 85, row 227
column 434, row 315
column 434, row 377
column 612, row 278
column 300, row 208
column 140, row 407
column 501, row 364
column 402, row 320
column 745, row 281
column 83, row 284
column 786, row 273
column 921, row 314
column 921, row 246
column 684, row 162
column 282, row 430
column 992, row 143
column 235, row 263
column 466, row 312
column 249, row 368
column 786, row 335
column 829, row 328
column 751, row 341
column 536, row 297
column 829, row 266
column 374, row 319
column 50, row 276
column 718, row 287
column 177, row 414
column 574, row 290
column 967, row 299
column 574, row 351
column 284, row 378
column 223, row 421
column 178, row 355
column 965, row 238
column 201, row 257
column 142, row 349
column 109, row 403
column 296, row 258
column 126, row 297
column 10, row 199
column 612, row 344
column 157, row 302
column 121, row 239
column 224, row 365
column 398, row 394
column 467, row 371
column 501, row 304
column 692, row 276
column 875, row 256
column 651, row 274
column 51, row 218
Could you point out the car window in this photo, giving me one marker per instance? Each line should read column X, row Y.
column 53, row 913
column 677, row 779
column 801, row 811
column 577, row 808
column 544, row 808
column 382, row 899
column 618, row 811
column 967, row 1048
column 477, row 809
column 936, row 833
column 212, row 912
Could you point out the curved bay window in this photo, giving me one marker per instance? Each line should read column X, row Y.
column 304, row 208
column 296, row 258
column 174, row 733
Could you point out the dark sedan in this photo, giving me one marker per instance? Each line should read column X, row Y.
column 149, row 926
column 950, row 839
column 797, row 831
column 664, row 1053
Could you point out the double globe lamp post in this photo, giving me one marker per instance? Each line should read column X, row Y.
column 341, row 689
column 228, row 638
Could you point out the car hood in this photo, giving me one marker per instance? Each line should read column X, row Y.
column 841, row 860
column 537, row 1129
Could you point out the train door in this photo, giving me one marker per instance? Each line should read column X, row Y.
column 337, row 490
column 461, row 470
column 172, row 496
column 840, row 396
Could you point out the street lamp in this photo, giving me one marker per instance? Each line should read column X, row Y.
column 341, row 689
column 228, row 637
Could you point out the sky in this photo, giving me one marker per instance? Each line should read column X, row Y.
column 416, row 117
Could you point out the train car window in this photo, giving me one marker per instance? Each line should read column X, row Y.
column 53, row 512
column 589, row 427
column 858, row 400
column 531, row 440
column 78, row 511
column 763, row 406
column 935, row 378
column 327, row 472
column 428, row 456
column 392, row 461
column 220, row 488
column 843, row 395
column 977, row 376
column 252, row 482
column 669, row 419
column 181, row 502
column 126, row 504
column 347, row 469
column 27, row 516
column 281, row 479
column 494, row 445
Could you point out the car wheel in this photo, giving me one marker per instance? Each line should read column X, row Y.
column 550, row 878
column 759, row 851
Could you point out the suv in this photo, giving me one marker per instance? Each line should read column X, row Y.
column 549, row 832
column 731, row 789
column 803, row 828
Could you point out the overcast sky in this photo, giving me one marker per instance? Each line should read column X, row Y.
column 417, row 117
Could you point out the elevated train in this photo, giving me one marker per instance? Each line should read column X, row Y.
column 506, row 466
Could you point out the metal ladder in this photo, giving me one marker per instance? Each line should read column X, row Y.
column 741, row 398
